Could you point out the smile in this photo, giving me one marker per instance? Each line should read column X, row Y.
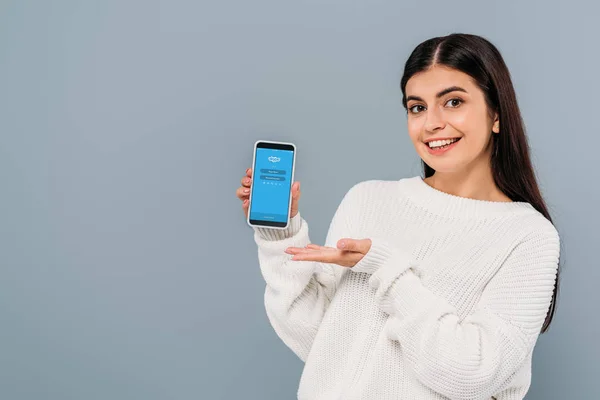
column 443, row 149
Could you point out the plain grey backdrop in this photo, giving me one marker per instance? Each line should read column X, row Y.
column 127, row 270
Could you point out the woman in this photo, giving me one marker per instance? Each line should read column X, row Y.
column 433, row 288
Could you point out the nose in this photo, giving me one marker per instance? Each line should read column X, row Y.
column 434, row 120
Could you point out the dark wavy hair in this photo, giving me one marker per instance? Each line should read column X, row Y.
column 511, row 163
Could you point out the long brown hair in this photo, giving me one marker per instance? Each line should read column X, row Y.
column 511, row 163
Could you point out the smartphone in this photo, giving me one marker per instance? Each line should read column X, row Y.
column 273, row 165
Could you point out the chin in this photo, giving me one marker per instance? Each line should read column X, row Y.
column 446, row 166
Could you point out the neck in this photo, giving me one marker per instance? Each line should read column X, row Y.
column 476, row 185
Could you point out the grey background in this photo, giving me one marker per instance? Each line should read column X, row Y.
column 127, row 270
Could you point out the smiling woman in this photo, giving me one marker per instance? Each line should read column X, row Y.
column 445, row 105
column 433, row 287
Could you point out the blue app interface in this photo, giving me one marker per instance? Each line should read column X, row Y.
column 272, row 184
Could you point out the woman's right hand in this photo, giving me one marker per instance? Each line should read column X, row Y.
column 243, row 193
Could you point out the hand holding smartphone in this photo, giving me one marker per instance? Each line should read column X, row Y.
column 271, row 197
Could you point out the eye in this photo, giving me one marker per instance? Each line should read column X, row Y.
column 455, row 99
column 411, row 108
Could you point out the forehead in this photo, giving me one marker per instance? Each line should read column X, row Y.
column 435, row 79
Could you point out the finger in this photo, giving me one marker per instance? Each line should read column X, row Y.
column 356, row 245
column 317, row 255
column 345, row 244
column 295, row 250
column 309, row 247
column 249, row 172
column 300, row 251
column 309, row 256
column 246, row 181
column 303, row 249
column 242, row 192
column 245, row 204
column 338, row 257
column 321, row 248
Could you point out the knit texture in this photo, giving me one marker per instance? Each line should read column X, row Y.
column 447, row 304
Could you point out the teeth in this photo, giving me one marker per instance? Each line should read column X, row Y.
column 438, row 143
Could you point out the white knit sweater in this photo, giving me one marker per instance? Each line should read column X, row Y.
column 447, row 304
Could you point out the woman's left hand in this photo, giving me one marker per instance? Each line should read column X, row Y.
column 347, row 254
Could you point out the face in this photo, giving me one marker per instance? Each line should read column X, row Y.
column 446, row 103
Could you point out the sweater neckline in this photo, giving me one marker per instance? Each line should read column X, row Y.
column 446, row 204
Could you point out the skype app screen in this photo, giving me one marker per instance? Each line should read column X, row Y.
column 271, row 189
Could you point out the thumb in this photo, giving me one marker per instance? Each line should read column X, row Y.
column 296, row 190
column 295, row 198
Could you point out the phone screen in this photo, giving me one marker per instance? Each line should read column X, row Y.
column 272, row 176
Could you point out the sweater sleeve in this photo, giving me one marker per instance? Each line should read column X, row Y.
column 476, row 357
column 298, row 293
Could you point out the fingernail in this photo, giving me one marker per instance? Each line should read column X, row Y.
column 246, row 190
column 247, row 170
column 342, row 244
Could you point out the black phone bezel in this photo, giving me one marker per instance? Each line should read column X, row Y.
column 276, row 146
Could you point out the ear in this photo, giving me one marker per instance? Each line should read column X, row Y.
column 496, row 125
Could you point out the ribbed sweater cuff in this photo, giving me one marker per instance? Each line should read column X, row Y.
column 398, row 287
column 280, row 234
column 405, row 295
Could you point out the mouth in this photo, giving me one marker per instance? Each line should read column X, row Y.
column 442, row 149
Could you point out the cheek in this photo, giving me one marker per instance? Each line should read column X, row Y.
column 470, row 126
column 461, row 121
column 471, row 118
column 414, row 129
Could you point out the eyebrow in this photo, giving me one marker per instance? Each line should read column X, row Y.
column 440, row 94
